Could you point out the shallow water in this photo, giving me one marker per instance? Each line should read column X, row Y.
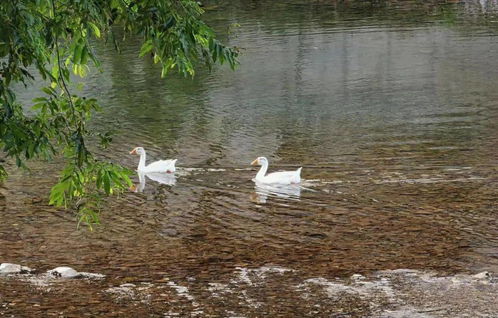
column 391, row 109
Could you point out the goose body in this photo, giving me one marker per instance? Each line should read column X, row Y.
column 165, row 166
column 281, row 177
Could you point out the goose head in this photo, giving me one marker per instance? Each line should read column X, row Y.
column 260, row 161
column 137, row 151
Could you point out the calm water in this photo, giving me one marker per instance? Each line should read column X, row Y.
column 391, row 109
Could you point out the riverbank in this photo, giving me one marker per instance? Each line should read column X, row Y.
column 253, row 292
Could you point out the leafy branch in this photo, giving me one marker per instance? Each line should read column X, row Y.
column 51, row 39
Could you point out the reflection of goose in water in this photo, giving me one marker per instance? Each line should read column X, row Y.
column 163, row 178
column 288, row 191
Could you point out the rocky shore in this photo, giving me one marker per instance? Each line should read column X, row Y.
column 248, row 292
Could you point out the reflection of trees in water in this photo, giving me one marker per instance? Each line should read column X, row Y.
column 142, row 94
column 273, row 14
column 280, row 16
column 165, row 110
column 308, row 84
column 300, row 127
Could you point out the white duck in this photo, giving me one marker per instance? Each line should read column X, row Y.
column 167, row 166
column 281, row 177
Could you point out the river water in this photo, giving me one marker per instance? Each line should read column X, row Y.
column 391, row 108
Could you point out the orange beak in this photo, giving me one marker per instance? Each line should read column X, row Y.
column 255, row 162
column 133, row 152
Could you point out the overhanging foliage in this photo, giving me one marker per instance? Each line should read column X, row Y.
column 53, row 38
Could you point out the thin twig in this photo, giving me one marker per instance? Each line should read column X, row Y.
column 59, row 63
column 66, row 89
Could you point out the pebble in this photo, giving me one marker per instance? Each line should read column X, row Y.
column 357, row 277
column 170, row 232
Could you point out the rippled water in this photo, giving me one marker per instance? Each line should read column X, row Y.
column 391, row 109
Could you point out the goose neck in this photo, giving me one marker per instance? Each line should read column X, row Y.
column 141, row 163
column 262, row 171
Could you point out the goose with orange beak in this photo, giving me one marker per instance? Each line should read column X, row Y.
column 281, row 177
column 166, row 166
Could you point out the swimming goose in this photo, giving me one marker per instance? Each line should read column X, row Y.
column 167, row 166
column 281, row 177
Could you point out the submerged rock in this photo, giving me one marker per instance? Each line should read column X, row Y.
column 128, row 285
column 132, row 292
column 9, row 268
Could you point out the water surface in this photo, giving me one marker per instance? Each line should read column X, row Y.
column 391, row 109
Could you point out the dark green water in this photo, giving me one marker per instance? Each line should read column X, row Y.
column 391, row 109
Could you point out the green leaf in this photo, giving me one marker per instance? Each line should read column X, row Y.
column 55, row 71
column 3, row 173
column 95, row 29
column 107, row 183
column 40, row 99
column 78, row 51
column 84, row 55
column 156, row 58
column 146, row 47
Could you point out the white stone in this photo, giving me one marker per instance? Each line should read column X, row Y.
column 8, row 268
column 482, row 275
column 64, row 272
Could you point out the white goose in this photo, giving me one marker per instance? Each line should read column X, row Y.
column 167, row 166
column 281, row 177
